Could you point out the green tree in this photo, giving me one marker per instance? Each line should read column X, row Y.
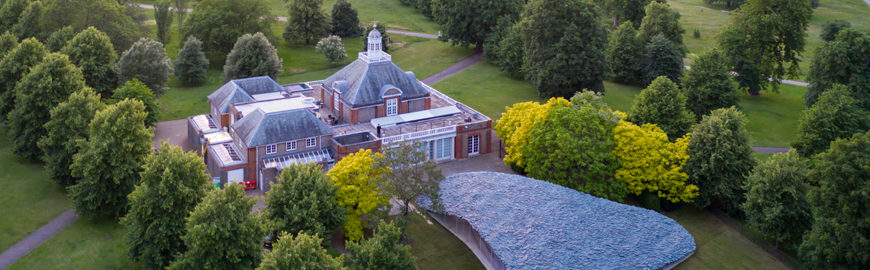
column 68, row 124
column 191, row 66
column 844, row 61
column 180, row 11
column 332, row 48
column 57, row 40
column 709, row 84
column 837, row 115
column 222, row 233
column 357, row 176
column 48, row 84
column 8, row 42
column 730, row 4
column 776, row 198
column 14, row 65
column 382, row 251
column 173, row 182
column 504, row 47
column 720, row 159
column 564, row 45
column 468, row 22
column 385, row 37
column 765, row 40
column 134, row 89
column 661, row 58
column 840, row 234
column 108, row 163
column 832, row 27
column 662, row 103
column 92, row 51
column 345, row 21
column 108, row 16
column 411, row 175
column 219, row 23
column 303, row 200
column 146, row 60
column 301, row 252
column 10, row 12
column 307, row 22
column 425, row 7
column 625, row 54
column 28, row 24
column 163, row 17
column 661, row 19
column 253, row 55
column 627, row 11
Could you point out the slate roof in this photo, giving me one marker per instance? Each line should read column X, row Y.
column 242, row 90
column 362, row 82
column 259, row 128
column 532, row 224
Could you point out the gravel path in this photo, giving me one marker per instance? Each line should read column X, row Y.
column 459, row 66
column 36, row 238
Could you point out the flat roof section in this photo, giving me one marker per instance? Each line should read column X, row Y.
column 268, row 96
column 225, row 154
column 218, row 137
column 204, row 123
column 414, row 116
column 278, row 105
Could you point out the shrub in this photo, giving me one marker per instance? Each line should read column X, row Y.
column 332, row 48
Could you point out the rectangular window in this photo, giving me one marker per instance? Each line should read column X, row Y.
column 445, row 148
column 335, row 102
column 392, row 106
column 473, row 145
column 291, row 146
column 271, row 149
column 311, row 142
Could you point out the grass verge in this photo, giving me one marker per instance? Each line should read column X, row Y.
column 436, row 248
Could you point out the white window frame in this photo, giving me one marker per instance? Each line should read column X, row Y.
column 273, row 148
column 392, row 106
column 311, row 142
column 474, row 145
column 291, row 145
column 336, row 103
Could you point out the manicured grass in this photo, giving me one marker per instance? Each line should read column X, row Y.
column 29, row 198
column 436, row 248
column 86, row 244
column 486, row 89
column 719, row 246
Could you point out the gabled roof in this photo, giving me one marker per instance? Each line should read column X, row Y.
column 259, row 128
column 242, row 90
column 360, row 83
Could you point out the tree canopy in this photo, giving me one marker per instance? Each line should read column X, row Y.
column 303, row 200
column 306, row 22
column 411, row 175
column 134, row 89
column 504, row 47
column 252, row 56
column 709, row 84
column 146, row 61
column 661, row 19
column 191, row 65
column 172, row 184
column 68, row 124
column 10, row 11
column 57, row 40
column 304, row 251
column 106, row 15
column 345, row 21
column 625, row 54
column 776, row 198
column 219, row 23
column 837, row 115
column 832, row 27
column 468, row 22
column 661, row 57
column 846, row 60
column 163, row 18
column 332, row 48
column 381, row 251
column 8, row 41
column 662, row 103
column 357, row 177
column 13, row 66
column 92, row 51
column 627, row 11
column 28, row 24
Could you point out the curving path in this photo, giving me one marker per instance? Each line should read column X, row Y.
column 36, row 238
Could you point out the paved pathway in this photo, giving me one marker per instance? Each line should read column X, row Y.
column 791, row 82
column 461, row 65
column 770, row 150
column 36, row 238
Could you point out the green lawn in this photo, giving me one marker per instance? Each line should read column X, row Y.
column 29, row 199
column 83, row 245
column 436, row 248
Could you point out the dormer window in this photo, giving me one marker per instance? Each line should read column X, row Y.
column 392, row 106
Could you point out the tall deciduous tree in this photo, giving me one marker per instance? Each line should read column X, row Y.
column 332, row 48
column 765, row 40
column 382, row 251
column 48, row 84
column 222, row 233
column 846, row 60
column 627, row 10
column 57, row 40
column 253, row 55
column 837, row 115
column 304, row 251
column 841, row 207
column 515, row 125
column 776, row 198
column 28, row 24
column 720, row 159
column 110, row 160
column 191, row 66
column 173, row 183
column 468, row 22
column 134, row 89
column 180, row 11
column 163, row 17
column 146, row 60
column 8, row 42
column 14, row 65
column 345, row 21
column 10, row 12
column 709, row 84
column 68, row 124
column 357, row 176
column 411, row 175
column 92, row 51
column 661, row 58
column 661, row 19
column 307, row 22
column 564, row 43
column 662, row 103
column 303, row 200
column 108, row 16
column 832, row 27
column 730, row 4
column 625, row 54
column 504, row 47
column 219, row 23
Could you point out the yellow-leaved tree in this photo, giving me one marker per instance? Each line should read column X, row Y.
column 516, row 124
column 650, row 162
column 356, row 177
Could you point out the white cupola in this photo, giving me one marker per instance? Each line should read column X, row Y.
column 375, row 52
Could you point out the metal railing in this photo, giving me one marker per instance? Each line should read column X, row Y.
column 418, row 134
